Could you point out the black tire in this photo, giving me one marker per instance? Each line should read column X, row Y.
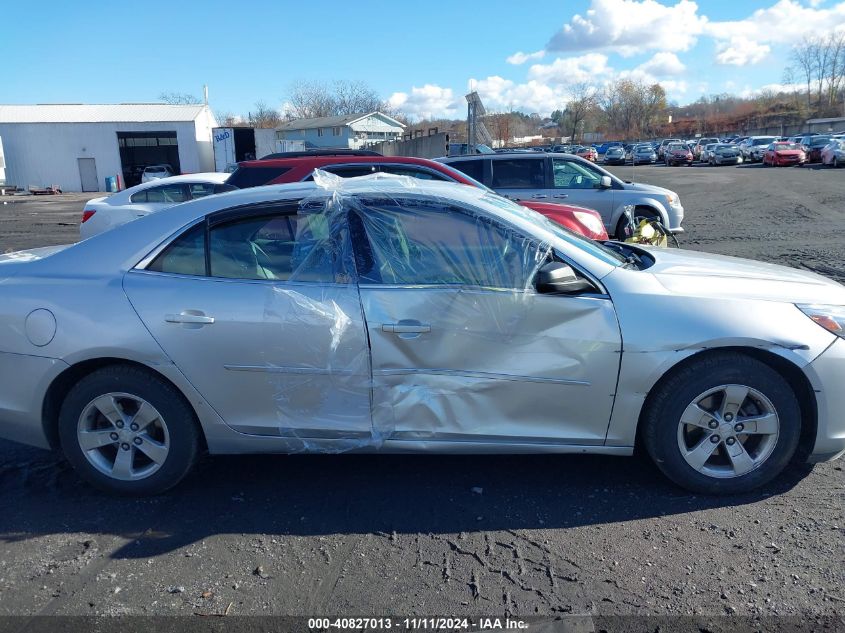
column 659, row 424
column 182, row 427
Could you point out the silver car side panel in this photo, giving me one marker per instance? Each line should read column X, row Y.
column 495, row 364
column 279, row 359
column 661, row 328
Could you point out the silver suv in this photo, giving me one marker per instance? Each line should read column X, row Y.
column 569, row 179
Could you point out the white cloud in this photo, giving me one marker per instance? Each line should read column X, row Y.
column 741, row 51
column 744, row 42
column 663, row 64
column 429, row 101
column 520, row 58
column 631, row 26
column 571, row 70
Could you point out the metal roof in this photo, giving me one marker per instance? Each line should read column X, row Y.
column 98, row 113
column 331, row 121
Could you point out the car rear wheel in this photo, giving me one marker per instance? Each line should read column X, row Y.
column 126, row 430
column 724, row 424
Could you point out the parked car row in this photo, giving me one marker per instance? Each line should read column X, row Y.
column 101, row 214
column 827, row 149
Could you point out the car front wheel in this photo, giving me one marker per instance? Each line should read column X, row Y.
column 723, row 424
column 126, row 430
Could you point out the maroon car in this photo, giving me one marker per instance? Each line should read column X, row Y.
column 299, row 166
column 677, row 154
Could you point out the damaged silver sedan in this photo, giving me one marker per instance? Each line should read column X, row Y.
column 388, row 314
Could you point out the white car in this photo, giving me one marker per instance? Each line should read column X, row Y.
column 156, row 172
column 102, row 214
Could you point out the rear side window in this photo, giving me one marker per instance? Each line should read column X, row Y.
column 166, row 194
column 183, row 256
column 472, row 168
column 246, row 177
column 518, row 174
column 273, row 247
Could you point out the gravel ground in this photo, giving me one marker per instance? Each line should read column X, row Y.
column 521, row 536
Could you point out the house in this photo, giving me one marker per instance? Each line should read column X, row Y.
column 350, row 131
column 76, row 146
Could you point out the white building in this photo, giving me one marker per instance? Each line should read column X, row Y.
column 77, row 146
column 351, row 131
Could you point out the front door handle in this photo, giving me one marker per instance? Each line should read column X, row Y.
column 561, row 195
column 189, row 317
column 406, row 327
column 538, row 196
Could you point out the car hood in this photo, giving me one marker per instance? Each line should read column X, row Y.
column 654, row 189
column 704, row 274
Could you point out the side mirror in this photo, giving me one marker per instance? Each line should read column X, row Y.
column 558, row 278
column 605, row 182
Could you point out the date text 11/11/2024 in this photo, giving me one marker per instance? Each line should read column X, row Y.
column 417, row 624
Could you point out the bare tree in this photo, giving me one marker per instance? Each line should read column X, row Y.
column 179, row 98
column 583, row 103
column 312, row 99
column 226, row 118
column 264, row 116
column 803, row 60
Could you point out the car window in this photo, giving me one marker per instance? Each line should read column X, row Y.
column 163, row 194
column 348, row 171
column 518, row 173
column 570, row 175
column 183, row 256
column 201, row 189
column 413, row 171
column 472, row 168
column 429, row 242
column 245, row 177
column 273, row 247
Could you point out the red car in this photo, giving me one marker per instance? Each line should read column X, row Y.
column 784, row 154
column 590, row 153
column 677, row 154
column 299, row 166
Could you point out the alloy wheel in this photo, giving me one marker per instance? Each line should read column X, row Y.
column 728, row 431
column 123, row 436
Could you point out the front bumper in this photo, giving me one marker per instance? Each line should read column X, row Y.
column 22, row 396
column 827, row 375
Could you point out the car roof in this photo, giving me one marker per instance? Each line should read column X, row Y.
column 212, row 177
column 331, row 159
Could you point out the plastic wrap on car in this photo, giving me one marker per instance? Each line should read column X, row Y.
column 330, row 376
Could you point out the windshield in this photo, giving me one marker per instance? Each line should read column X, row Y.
column 724, row 147
column 820, row 141
column 595, row 249
column 782, row 146
column 678, row 146
column 762, row 141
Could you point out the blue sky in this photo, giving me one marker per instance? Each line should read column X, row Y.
column 420, row 56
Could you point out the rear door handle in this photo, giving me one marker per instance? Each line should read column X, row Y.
column 538, row 196
column 561, row 195
column 189, row 317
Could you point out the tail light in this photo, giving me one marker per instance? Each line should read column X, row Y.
column 87, row 214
